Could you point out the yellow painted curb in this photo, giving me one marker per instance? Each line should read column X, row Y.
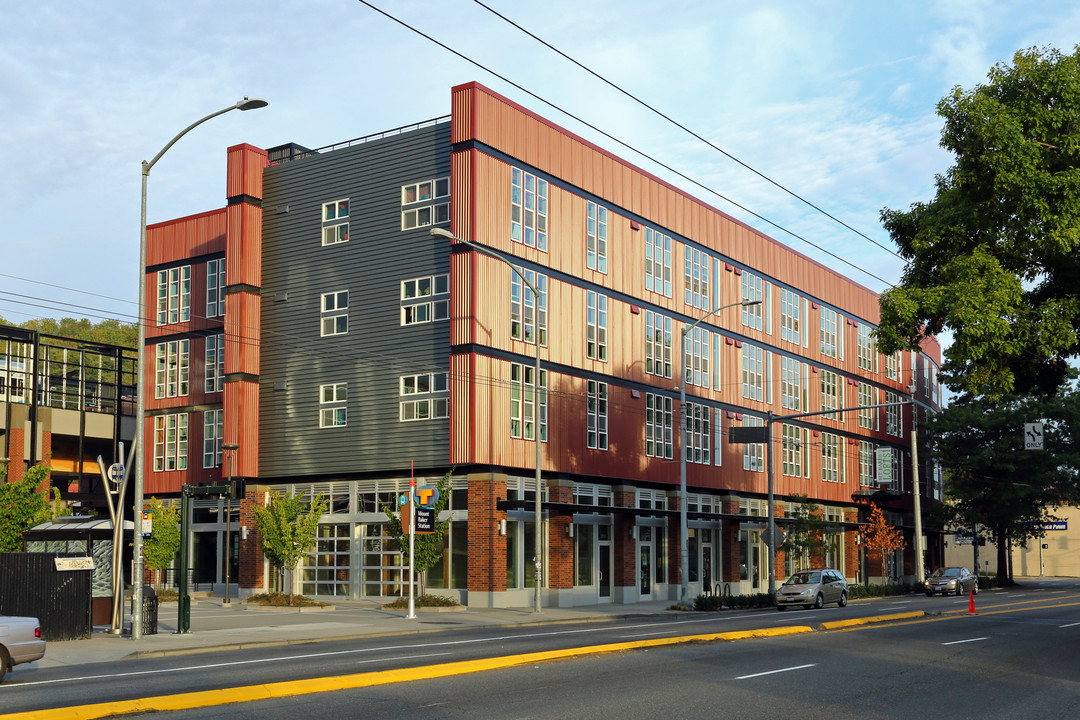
column 208, row 698
column 869, row 620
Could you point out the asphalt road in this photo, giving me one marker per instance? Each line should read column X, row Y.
column 1017, row 653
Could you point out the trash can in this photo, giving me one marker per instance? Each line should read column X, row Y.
column 149, row 610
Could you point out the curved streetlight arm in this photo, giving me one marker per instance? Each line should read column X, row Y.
column 684, row 543
column 140, row 365
column 538, row 515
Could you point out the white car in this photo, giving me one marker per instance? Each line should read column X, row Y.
column 20, row 642
column 812, row 589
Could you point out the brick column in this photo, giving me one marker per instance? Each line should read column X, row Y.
column 251, row 574
column 730, row 537
column 674, row 554
column 560, row 544
column 851, row 546
column 487, row 548
column 624, row 566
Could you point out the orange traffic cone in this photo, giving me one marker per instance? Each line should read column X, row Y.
column 971, row 603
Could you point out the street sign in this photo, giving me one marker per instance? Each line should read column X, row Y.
column 116, row 475
column 425, row 521
column 147, row 524
column 748, row 434
column 1033, row 436
column 426, row 496
column 779, row 537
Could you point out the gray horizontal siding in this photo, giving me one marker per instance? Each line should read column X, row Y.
column 377, row 350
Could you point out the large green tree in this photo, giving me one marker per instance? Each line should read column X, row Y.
column 288, row 526
column 994, row 258
column 111, row 332
column 991, row 479
column 26, row 503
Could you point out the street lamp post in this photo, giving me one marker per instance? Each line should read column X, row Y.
column 140, row 401
column 684, row 546
column 230, row 458
column 538, row 553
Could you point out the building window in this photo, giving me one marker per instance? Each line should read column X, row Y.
column 657, row 344
column 425, row 299
column 831, row 393
column 173, row 369
column 424, row 397
column 892, row 414
column 335, row 222
column 866, row 463
column 215, row 288
column 696, row 357
column 598, row 415
column 332, row 405
column 753, row 453
column 892, row 366
column 658, row 426
column 792, row 384
column 718, row 428
column 526, row 313
column 523, row 390
column 429, row 192
column 657, row 262
column 790, row 316
column 828, row 332
column 696, row 278
column 832, row 466
column 174, row 295
column 698, row 434
column 596, row 237
column 867, row 416
column 214, row 367
column 795, row 449
column 335, row 315
column 170, row 442
column 753, row 288
column 867, row 354
column 753, row 372
column 596, row 325
column 528, row 209
column 213, row 431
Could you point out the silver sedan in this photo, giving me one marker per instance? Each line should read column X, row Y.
column 951, row 581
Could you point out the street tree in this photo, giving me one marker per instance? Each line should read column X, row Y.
column 994, row 258
column 288, row 526
column 160, row 548
column 26, row 503
column 992, row 480
column 427, row 548
column 806, row 536
column 881, row 537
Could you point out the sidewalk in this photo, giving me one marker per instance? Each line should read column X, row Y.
column 215, row 626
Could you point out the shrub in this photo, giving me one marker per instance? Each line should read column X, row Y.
column 283, row 600
column 402, row 603
column 733, row 602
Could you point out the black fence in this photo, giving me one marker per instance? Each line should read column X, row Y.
column 31, row 585
column 170, row 578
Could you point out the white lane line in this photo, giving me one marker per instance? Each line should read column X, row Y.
column 661, row 632
column 773, row 672
column 405, row 657
column 1069, row 625
column 958, row 642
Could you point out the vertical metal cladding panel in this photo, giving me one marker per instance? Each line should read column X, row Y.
column 243, row 333
column 243, row 260
column 242, row 424
column 462, row 409
column 462, row 193
column 177, row 240
column 462, row 299
column 245, row 171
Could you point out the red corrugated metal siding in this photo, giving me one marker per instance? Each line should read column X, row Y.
column 177, row 240
column 242, row 332
column 243, row 259
column 242, row 424
column 245, row 166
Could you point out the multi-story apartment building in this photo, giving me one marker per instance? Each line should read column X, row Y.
column 64, row 402
column 316, row 322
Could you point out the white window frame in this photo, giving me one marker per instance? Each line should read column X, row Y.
column 214, row 365
column 659, row 418
column 174, row 295
column 795, row 450
column 213, row 431
column 658, row 344
column 596, row 314
column 790, row 316
column 792, row 383
column 657, row 262
column 832, row 459
column 753, row 453
column 425, row 299
column 333, row 405
column 215, row 287
column 172, row 369
column 832, row 393
column 829, row 332
column 170, row 442
column 522, row 390
column 867, row 464
column 335, row 222
column 867, row 353
column 892, row 366
column 528, row 209
column 596, row 236
column 332, row 320
column 753, row 288
column 597, row 412
column 529, row 315
column 698, row 433
column 425, row 396
column 868, row 417
column 696, row 357
column 696, row 278
column 893, row 415
column 753, row 372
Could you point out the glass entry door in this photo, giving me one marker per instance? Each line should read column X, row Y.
column 645, row 563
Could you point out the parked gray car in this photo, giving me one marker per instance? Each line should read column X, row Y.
column 813, row 588
column 20, row 642
column 951, row 581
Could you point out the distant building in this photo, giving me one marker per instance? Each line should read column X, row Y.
column 316, row 323
column 64, row 402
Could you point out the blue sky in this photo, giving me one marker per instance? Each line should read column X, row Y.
column 833, row 100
